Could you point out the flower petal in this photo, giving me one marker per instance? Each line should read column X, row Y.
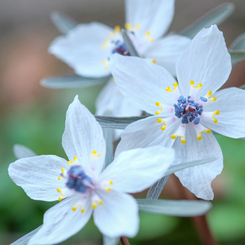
column 38, row 176
column 61, row 222
column 206, row 60
column 81, row 49
column 111, row 101
column 231, row 118
column 166, row 51
column 82, row 135
column 144, row 133
column 198, row 179
column 142, row 82
column 135, row 170
column 152, row 15
column 118, row 215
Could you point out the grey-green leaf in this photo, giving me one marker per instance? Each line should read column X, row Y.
column 25, row 239
column 108, row 136
column 72, row 81
column 116, row 122
column 129, row 44
column 238, row 43
column 175, row 168
column 237, row 56
column 174, row 208
column 62, row 22
column 21, row 151
column 110, row 240
column 215, row 16
column 155, row 190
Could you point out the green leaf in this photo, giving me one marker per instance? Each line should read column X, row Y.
column 237, row 56
column 72, row 81
column 24, row 240
column 116, row 122
column 175, row 208
column 175, row 168
column 129, row 44
column 62, row 22
column 215, row 16
column 21, row 151
column 110, row 240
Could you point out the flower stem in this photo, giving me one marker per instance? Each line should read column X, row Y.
column 124, row 240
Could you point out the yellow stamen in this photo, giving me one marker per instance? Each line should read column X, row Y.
column 63, row 170
column 94, row 206
column 117, row 28
column 71, row 162
column 159, row 104
column 147, row 37
column 110, row 182
column 215, row 113
column 100, row 202
column 199, row 85
column 105, row 63
column 168, row 89
column 74, row 208
column 60, row 198
column 108, row 189
column 153, row 61
column 83, row 210
column 60, row 177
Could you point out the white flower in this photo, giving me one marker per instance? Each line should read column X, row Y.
column 187, row 111
column 87, row 190
column 88, row 47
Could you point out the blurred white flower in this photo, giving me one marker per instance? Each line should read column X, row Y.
column 80, row 181
column 185, row 111
column 87, row 48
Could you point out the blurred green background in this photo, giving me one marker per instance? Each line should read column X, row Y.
column 34, row 116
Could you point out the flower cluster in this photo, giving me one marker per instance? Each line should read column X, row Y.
column 174, row 80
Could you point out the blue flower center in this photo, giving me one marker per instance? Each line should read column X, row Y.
column 78, row 180
column 188, row 110
column 120, row 48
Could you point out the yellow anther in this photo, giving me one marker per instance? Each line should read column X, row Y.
column 153, row 61
column 199, row 137
column 163, row 128
column 199, row 85
column 183, row 141
column 208, row 131
column 63, row 170
column 215, row 120
column 108, row 189
column 117, row 28
column 209, row 93
column 71, row 162
column 216, row 112
column 74, row 208
column 171, row 90
column 100, row 202
column 94, row 206
column 159, row 120
column 212, row 99
column 157, row 112
column 99, row 155
column 105, row 63
column 148, row 38
column 110, row 182
column 60, row 198
column 94, row 152
column 157, row 103
column 129, row 27
column 60, row 177
column 105, row 43
column 59, row 190
column 173, row 136
column 82, row 210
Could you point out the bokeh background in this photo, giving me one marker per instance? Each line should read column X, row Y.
column 34, row 116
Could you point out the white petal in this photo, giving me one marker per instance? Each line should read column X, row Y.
column 111, row 101
column 135, row 170
column 21, row 151
column 206, row 60
column 61, row 222
column 38, row 176
column 118, row 215
column 142, row 82
column 198, row 179
column 144, row 133
column 81, row 49
column 152, row 15
column 166, row 51
column 82, row 135
column 231, row 118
